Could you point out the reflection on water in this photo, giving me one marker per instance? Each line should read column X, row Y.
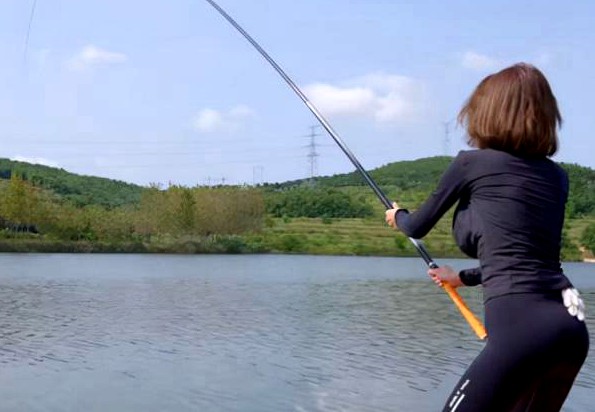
column 242, row 333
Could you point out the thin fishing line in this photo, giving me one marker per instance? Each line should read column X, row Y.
column 28, row 35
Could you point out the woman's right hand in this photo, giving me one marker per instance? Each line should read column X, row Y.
column 445, row 274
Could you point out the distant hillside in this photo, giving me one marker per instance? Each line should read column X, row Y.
column 422, row 175
column 419, row 176
column 582, row 190
column 82, row 190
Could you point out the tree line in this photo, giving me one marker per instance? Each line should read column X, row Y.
column 175, row 211
column 52, row 205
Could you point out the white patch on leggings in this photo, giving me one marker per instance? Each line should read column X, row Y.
column 458, row 397
column 574, row 303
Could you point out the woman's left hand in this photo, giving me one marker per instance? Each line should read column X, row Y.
column 445, row 274
column 391, row 216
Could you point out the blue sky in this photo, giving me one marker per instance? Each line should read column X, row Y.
column 168, row 92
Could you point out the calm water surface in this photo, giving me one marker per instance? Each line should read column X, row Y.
column 236, row 333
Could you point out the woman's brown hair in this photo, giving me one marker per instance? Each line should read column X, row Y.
column 515, row 111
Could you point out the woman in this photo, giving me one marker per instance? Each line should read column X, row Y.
column 511, row 199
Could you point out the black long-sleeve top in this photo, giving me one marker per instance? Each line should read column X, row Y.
column 509, row 215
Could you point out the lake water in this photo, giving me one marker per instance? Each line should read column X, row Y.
column 237, row 333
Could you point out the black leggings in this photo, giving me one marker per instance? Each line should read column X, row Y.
column 534, row 351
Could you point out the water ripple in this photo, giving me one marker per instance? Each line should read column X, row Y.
column 212, row 335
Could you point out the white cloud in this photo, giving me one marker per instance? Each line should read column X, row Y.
column 91, row 56
column 476, row 61
column 384, row 98
column 35, row 160
column 337, row 100
column 209, row 120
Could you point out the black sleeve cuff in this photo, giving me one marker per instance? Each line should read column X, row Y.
column 470, row 277
column 402, row 220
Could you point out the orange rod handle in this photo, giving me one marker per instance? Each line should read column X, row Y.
column 471, row 319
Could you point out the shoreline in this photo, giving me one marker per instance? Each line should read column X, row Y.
column 85, row 247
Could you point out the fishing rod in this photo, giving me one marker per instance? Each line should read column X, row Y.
column 473, row 321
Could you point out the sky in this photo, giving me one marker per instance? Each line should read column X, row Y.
column 159, row 92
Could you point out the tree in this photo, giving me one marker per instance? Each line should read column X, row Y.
column 316, row 202
column 588, row 238
column 20, row 202
column 186, row 213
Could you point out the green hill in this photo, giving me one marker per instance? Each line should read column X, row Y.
column 420, row 176
column 410, row 179
column 335, row 214
column 81, row 190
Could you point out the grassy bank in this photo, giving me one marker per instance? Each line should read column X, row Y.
column 317, row 236
column 346, row 237
column 373, row 237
